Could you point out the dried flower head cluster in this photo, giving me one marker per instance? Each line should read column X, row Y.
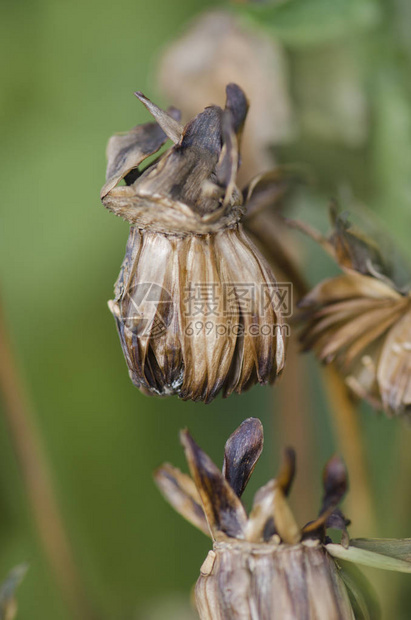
column 263, row 565
column 361, row 320
column 258, row 558
column 196, row 305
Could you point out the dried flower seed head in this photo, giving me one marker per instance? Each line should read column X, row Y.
column 361, row 320
column 196, row 305
column 263, row 565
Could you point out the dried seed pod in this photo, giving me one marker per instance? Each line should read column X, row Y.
column 263, row 565
column 247, row 581
column 361, row 320
column 197, row 307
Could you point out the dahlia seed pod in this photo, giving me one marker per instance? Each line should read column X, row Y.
column 247, row 581
column 197, row 307
column 263, row 565
column 361, row 320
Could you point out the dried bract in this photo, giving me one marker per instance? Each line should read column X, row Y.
column 361, row 320
column 196, row 305
column 263, row 565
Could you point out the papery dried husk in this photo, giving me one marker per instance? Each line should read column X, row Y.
column 361, row 320
column 196, row 355
column 267, row 581
column 364, row 326
column 187, row 239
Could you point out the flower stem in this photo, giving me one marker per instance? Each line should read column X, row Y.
column 360, row 501
column 37, row 480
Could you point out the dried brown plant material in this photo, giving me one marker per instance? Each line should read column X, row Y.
column 263, row 565
column 218, row 48
column 197, row 307
column 361, row 320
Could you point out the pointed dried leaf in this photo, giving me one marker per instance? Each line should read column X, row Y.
column 286, row 473
column 171, row 127
column 180, row 491
column 237, row 105
column 335, row 482
column 335, row 486
column 224, row 511
column 242, row 451
column 228, row 163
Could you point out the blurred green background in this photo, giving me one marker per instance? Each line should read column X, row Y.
column 67, row 77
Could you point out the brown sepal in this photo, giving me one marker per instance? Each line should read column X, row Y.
column 223, row 509
column 242, row 451
column 180, row 491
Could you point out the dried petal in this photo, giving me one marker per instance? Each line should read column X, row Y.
column 181, row 492
column 271, row 514
column 394, row 367
column 335, row 484
column 362, row 320
column 224, row 511
column 242, row 451
column 126, row 152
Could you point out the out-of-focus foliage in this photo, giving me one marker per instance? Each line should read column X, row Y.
column 300, row 23
column 68, row 74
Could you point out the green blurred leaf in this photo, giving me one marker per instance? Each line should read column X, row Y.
column 391, row 145
column 369, row 558
column 314, row 22
column 8, row 607
column 399, row 548
column 362, row 595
